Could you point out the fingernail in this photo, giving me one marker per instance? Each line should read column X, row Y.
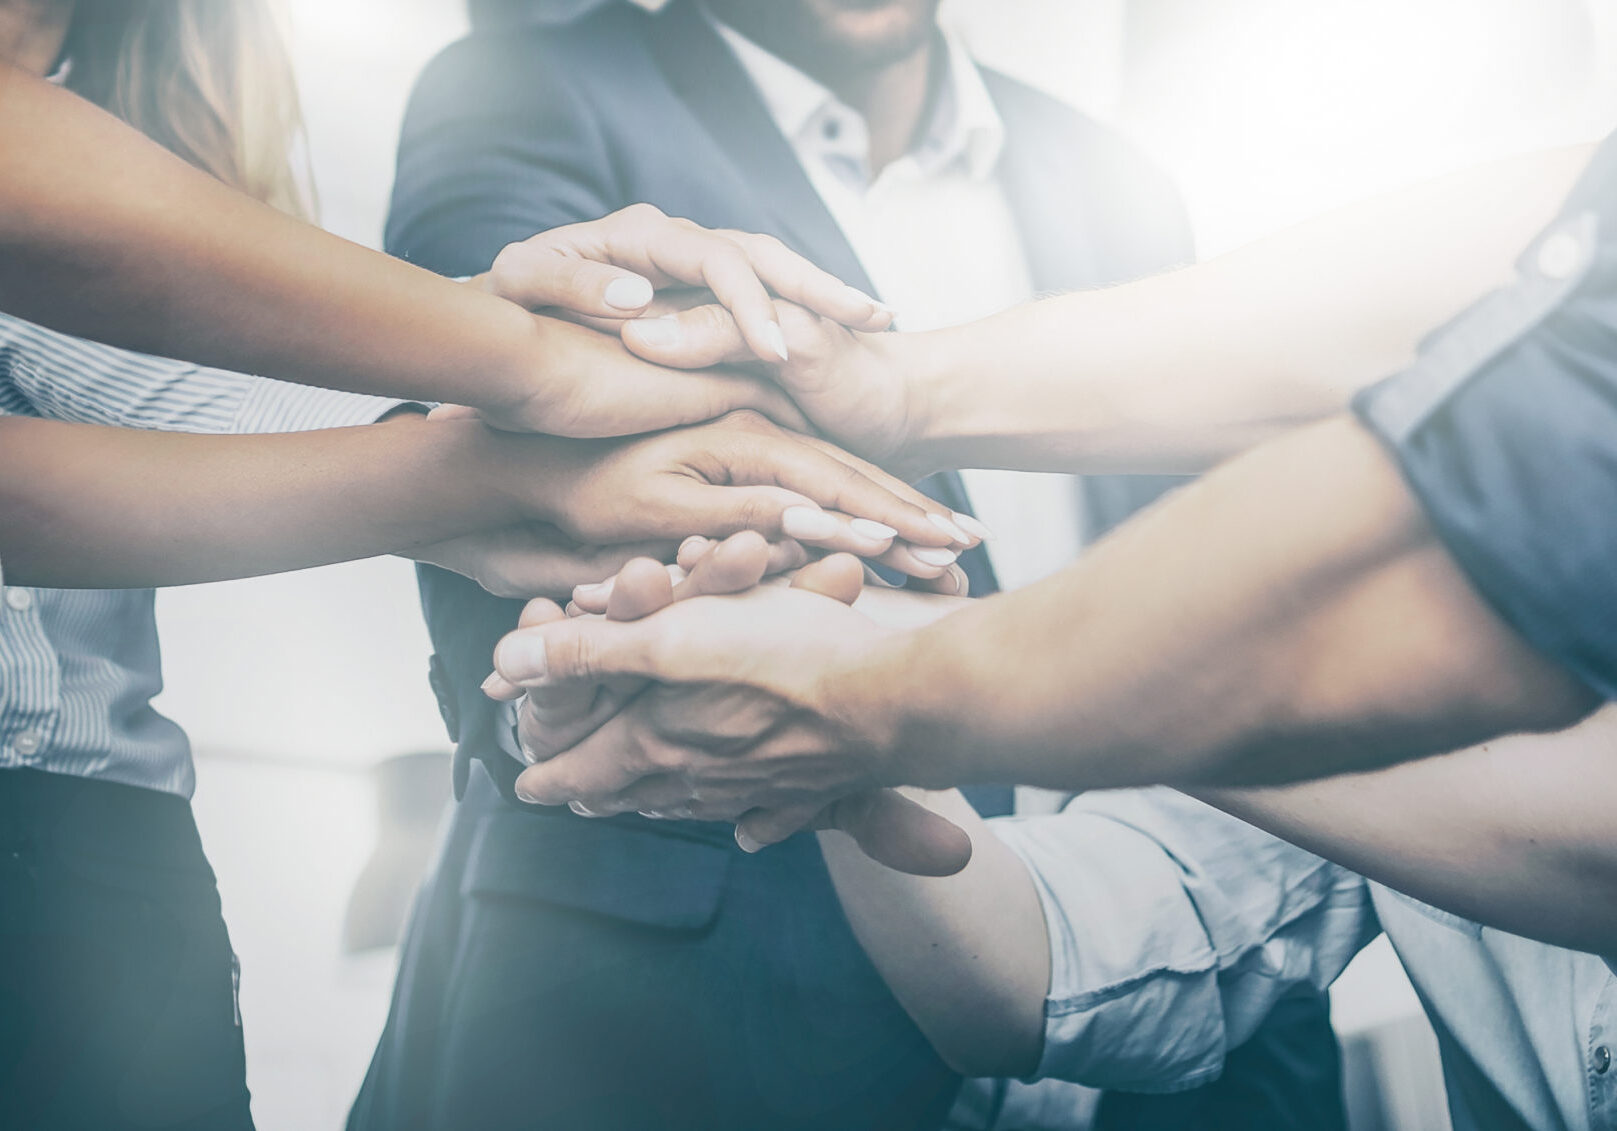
column 949, row 528
column 806, row 522
column 588, row 589
column 971, row 526
column 663, row 333
column 524, row 795
column 628, row 292
column 528, row 755
column 858, row 295
column 869, row 528
column 494, row 679
column 523, row 656
column 957, row 578
column 650, row 816
column 776, row 339
column 694, row 542
column 746, row 843
column 579, row 808
column 933, row 557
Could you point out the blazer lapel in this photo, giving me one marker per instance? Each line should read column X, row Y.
column 704, row 72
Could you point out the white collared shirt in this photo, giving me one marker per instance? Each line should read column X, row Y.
column 936, row 234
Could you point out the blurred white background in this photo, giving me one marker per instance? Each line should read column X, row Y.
column 1268, row 111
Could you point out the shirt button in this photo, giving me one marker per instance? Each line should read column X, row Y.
column 1602, row 1060
column 19, row 599
column 26, row 743
column 1559, row 256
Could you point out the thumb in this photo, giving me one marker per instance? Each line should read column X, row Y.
column 579, row 649
column 536, row 278
column 698, row 338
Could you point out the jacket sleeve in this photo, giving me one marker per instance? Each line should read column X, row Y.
column 1505, row 427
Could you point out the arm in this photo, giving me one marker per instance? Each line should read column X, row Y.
column 1128, row 942
column 110, row 508
column 1178, row 371
column 1515, row 834
column 105, row 235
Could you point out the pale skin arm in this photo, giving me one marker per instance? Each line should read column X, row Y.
column 1173, row 373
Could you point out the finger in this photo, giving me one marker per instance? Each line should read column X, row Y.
column 692, row 549
column 579, row 648
column 577, row 775
column 535, row 276
column 452, row 412
column 698, row 338
column 785, row 556
column 918, row 561
column 840, row 577
column 733, row 566
column 759, row 828
column 558, row 718
column 538, row 611
column 697, row 256
column 944, row 529
column 952, row 582
column 797, row 280
column 640, row 589
column 904, row 835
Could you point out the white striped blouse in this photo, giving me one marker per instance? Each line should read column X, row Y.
column 79, row 667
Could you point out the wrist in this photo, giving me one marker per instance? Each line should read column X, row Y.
column 937, row 404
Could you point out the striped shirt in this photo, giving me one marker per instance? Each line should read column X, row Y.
column 79, row 667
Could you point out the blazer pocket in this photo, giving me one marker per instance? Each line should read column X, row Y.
column 627, row 872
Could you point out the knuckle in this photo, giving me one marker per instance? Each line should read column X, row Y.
column 749, row 420
column 642, row 213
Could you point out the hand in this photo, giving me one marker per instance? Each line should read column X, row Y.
column 849, row 385
column 536, row 560
column 889, row 827
column 610, row 269
column 737, row 473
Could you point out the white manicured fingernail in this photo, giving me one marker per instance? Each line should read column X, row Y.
column 858, row 295
column 524, row 795
column 949, row 528
column 869, row 528
column 495, row 679
column 662, row 333
column 806, row 522
column 776, row 338
column 933, row 557
column 522, row 658
column 746, row 843
column 628, row 292
column 973, row 527
column 578, row 807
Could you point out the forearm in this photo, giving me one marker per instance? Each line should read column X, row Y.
column 1177, row 372
column 1515, row 834
column 967, row 955
column 105, row 235
column 1288, row 616
column 83, row 506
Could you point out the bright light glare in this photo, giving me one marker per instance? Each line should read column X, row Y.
column 1272, row 110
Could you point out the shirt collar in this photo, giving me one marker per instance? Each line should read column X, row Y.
column 964, row 129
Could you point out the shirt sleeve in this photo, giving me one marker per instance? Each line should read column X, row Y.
column 1174, row 928
column 67, row 378
column 1505, row 428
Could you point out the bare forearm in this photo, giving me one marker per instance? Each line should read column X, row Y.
column 105, row 235
column 1515, row 834
column 1288, row 616
column 966, row 955
column 84, row 506
column 1177, row 372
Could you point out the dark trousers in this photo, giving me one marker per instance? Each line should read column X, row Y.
column 117, row 981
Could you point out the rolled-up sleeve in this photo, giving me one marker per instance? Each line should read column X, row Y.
column 1173, row 930
column 66, row 378
column 1506, row 430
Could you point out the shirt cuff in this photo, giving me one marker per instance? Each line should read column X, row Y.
column 281, row 406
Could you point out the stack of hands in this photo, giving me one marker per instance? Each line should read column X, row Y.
column 708, row 472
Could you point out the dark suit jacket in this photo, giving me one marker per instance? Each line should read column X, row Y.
column 516, row 130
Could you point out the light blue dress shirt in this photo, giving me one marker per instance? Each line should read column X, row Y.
column 1174, row 927
column 79, row 667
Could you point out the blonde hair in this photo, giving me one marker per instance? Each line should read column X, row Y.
column 207, row 79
